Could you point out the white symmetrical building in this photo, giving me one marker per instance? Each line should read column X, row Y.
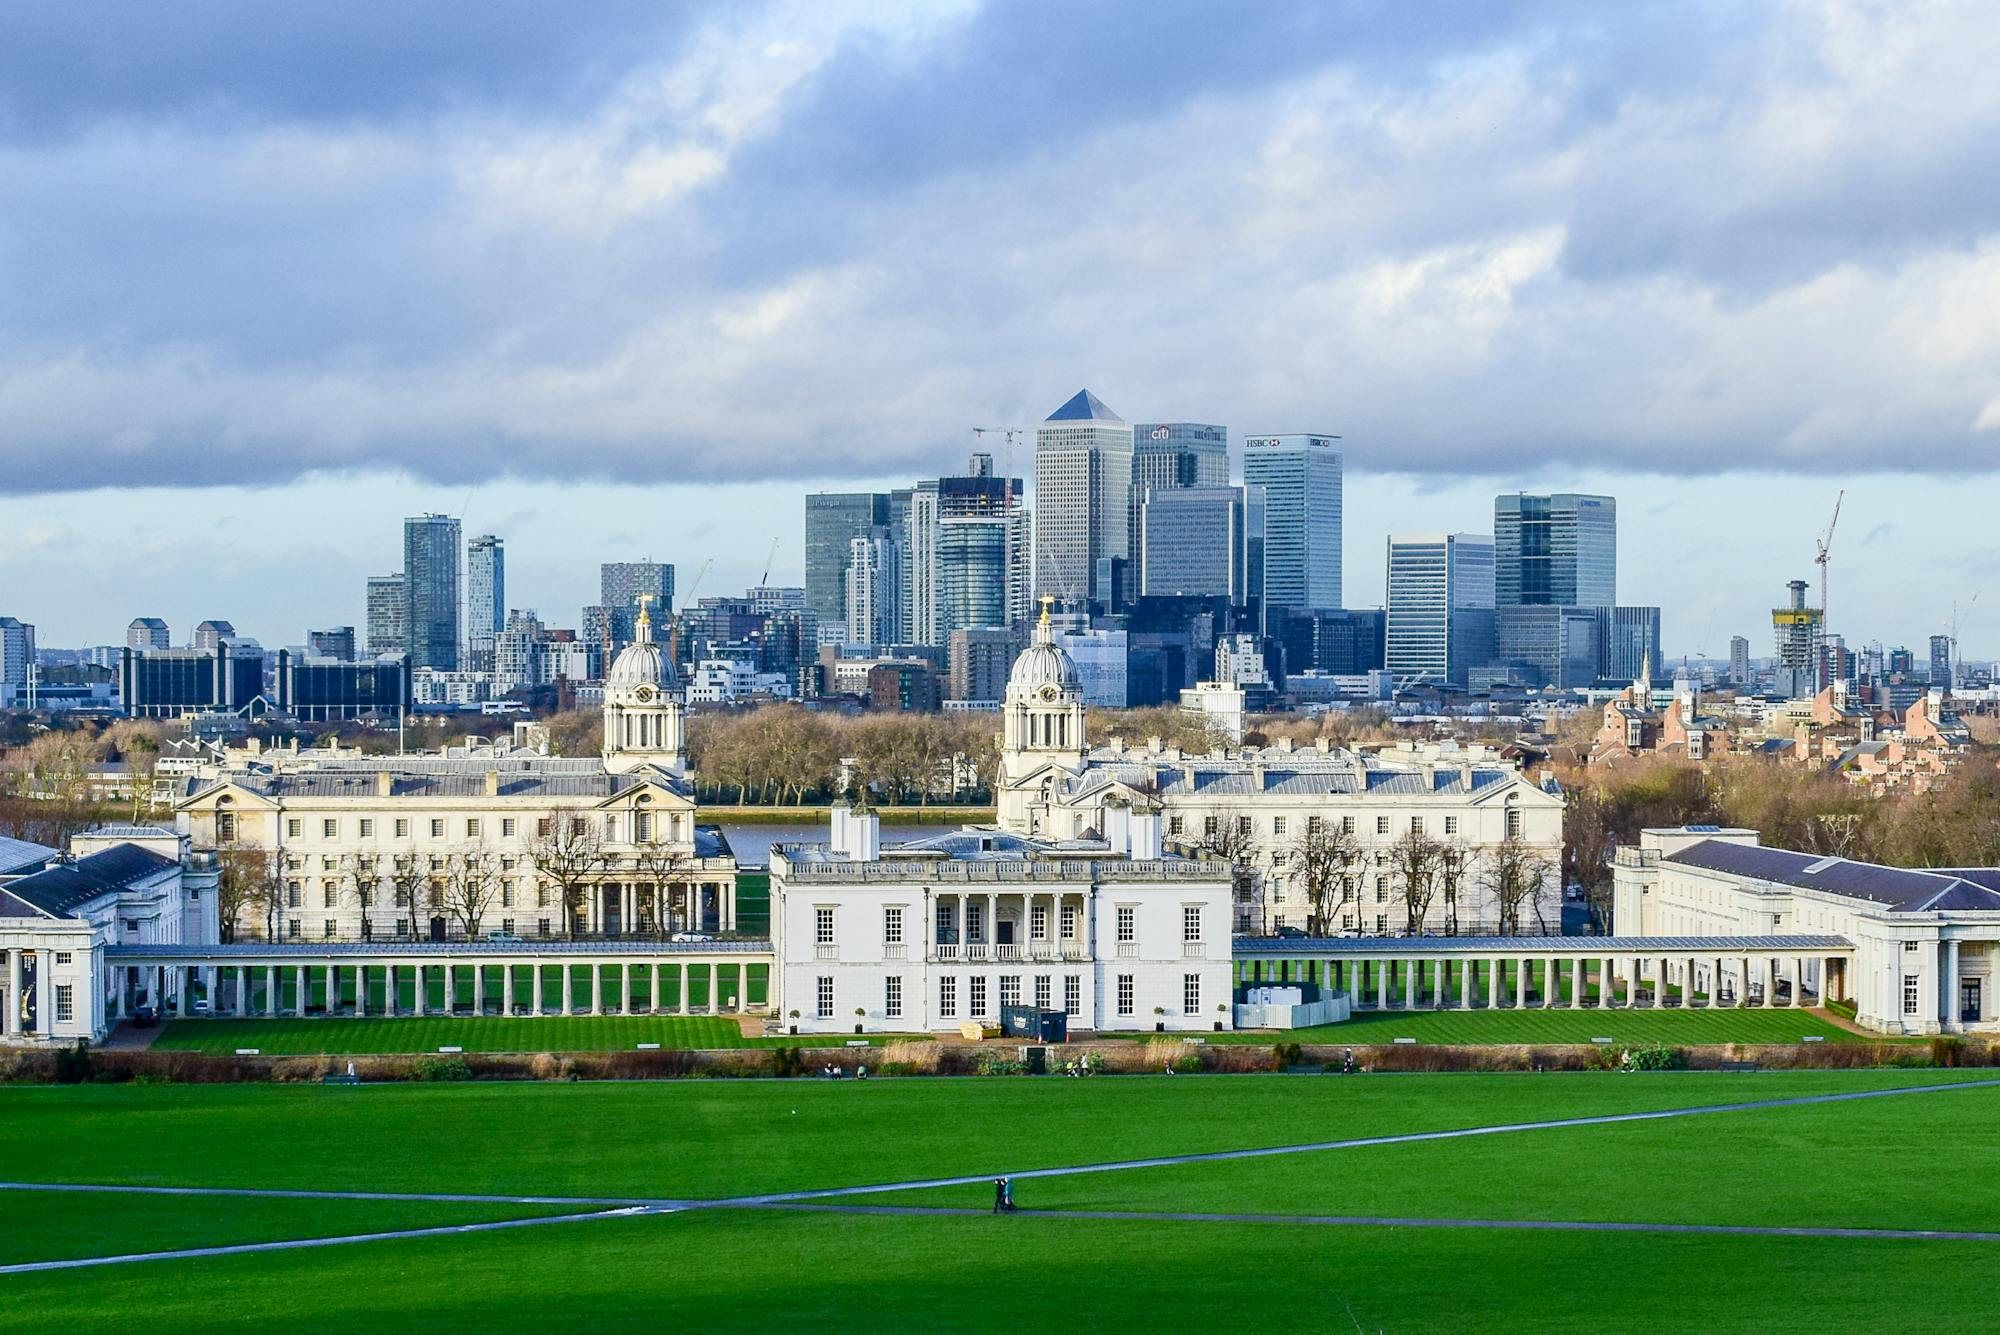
column 1260, row 801
column 931, row 935
column 121, row 886
column 375, row 847
column 1917, row 948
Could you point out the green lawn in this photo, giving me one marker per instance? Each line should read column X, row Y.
column 36, row 1226
column 550, row 1033
column 1673, row 1027
column 1871, row 1162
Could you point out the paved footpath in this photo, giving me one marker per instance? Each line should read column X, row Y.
column 821, row 1198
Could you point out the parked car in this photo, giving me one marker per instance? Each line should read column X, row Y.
column 1291, row 931
column 508, row 937
column 200, row 1006
column 145, row 1017
column 692, row 936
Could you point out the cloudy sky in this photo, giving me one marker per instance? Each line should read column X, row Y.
column 624, row 279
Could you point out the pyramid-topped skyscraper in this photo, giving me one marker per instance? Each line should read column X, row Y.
column 1083, row 487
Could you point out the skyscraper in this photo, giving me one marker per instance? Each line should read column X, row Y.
column 1301, row 478
column 874, row 587
column 833, row 520
column 431, row 553
column 967, row 553
column 1739, row 660
column 388, row 632
column 1796, row 629
column 1083, row 499
column 485, row 597
column 1559, row 550
column 1941, row 661
column 210, row 635
column 1203, row 542
column 17, row 656
column 1632, row 642
column 335, row 642
column 1439, row 609
column 1179, row 454
column 620, row 586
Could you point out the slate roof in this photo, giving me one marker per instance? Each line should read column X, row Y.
column 1084, row 407
column 543, row 777
column 1309, row 774
column 59, row 890
column 965, row 845
column 18, row 856
column 1903, row 890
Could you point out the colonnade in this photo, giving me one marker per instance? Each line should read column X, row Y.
column 1416, row 978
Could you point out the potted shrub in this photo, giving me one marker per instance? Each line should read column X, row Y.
column 1159, row 1019
column 1221, row 1011
column 795, row 1022
column 860, row 1014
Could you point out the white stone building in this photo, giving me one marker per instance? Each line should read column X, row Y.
column 123, row 885
column 360, row 837
column 1055, row 785
column 1918, row 949
column 930, row 935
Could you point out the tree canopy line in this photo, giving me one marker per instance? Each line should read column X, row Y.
column 1956, row 824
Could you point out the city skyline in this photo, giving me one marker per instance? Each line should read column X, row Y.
column 1510, row 252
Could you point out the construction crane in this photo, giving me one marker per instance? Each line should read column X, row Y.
column 686, row 599
column 1822, row 560
column 765, row 582
column 1958, row 616
column 1007, row 433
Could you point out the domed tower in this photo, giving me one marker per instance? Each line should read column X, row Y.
column 1042, row 718
column 643, row 722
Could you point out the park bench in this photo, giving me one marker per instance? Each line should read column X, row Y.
column 340, row 1079
column 1738, row 1066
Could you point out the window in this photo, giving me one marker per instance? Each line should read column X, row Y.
column 225, row 825
column 472, row 827
column 1191, row 994
column 1038, row 923
column 947, row 931
column 1069, row 914
column 1190, row 922
column 642, row 826
column 1010, row 989
column 1244, row 826
column 892, row 925
column 1208, row 825
column 367, row 829
column 1381, row 825
column 1128, row 929
column 328, row 928
column 977, row 995
column 1381, row 924
column 947, row 996
column 541, row 896
column 1513, row 822
column 507, row 926
column 292, row 929
column 1277, row 825
column 824, row 998
column 1909, row 994
column 1347, row 825
column 822, row 926
column 329, row 897
column 1124, row 994
column 892, row 997
column 1173, row 825
column 329, row 829
column 542, row 827
column 1909, row 947
column 1312, row 824
column 62, row 957
column 402, row 829
column 1073, row 994
column 65, row 1003
column 541, row 926
column 1416, row 825
column 1381, row 889
column 294, row 895
column 1451, row 825
column 975, row 917
column 1042, row 992
column 507, row 896
column 437, row 829
column 507, row 828
column 292, row 825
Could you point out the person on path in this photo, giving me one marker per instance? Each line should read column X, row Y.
column 1007, row 1189
column 999, row 1194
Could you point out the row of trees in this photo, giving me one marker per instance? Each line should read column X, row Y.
column 1807, row 810
column 1327, row 862
column 567, row 860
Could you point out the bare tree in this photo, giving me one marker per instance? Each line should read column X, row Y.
column 361, row 881
column 1514, row 875
column 1324, row 858
column 1451, row 864
column 1228, row 836
column 663, row 869
column 250, row 882
column 1415, row 858
column 471, row 885
column 406, row 877
column 568, row 853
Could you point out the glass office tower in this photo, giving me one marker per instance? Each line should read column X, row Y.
column 1559, row 550
column 1301, row 479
